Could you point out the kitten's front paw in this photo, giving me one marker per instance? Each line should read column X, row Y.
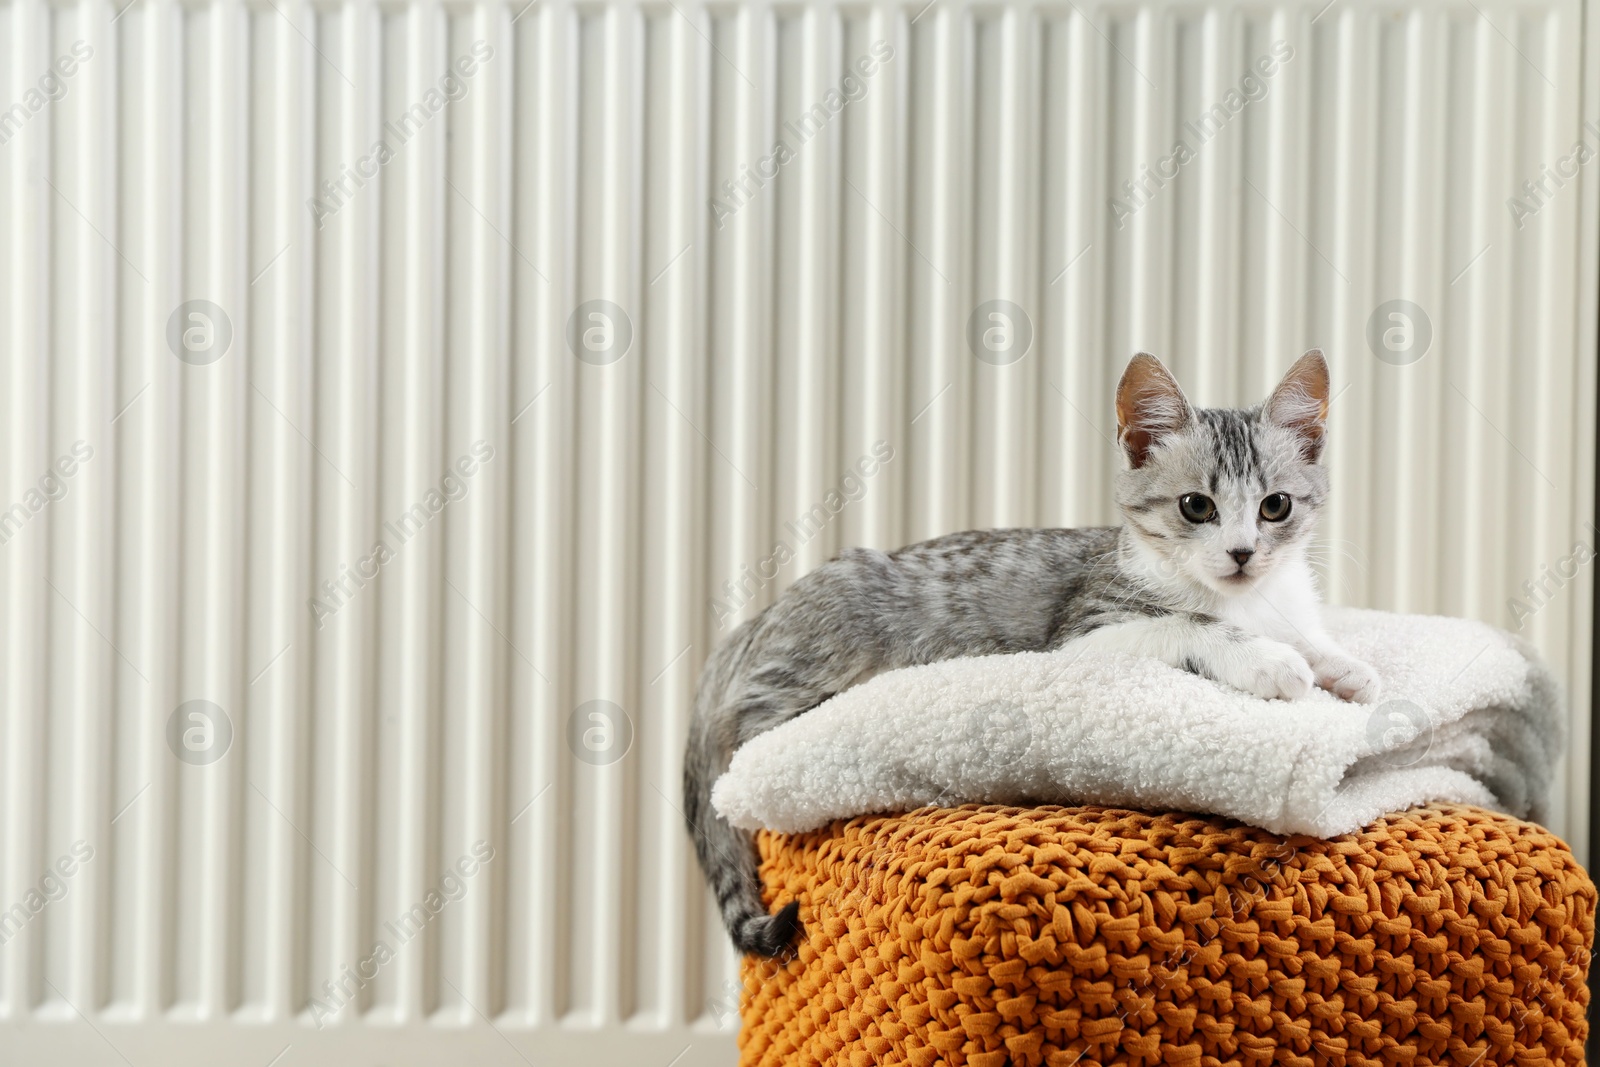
column 1349, row 679
column 1272, row 670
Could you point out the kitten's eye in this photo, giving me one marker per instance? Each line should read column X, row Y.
column 1275, row 508
column 1197, row 507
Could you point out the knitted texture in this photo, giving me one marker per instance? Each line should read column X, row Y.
column 1086, row 935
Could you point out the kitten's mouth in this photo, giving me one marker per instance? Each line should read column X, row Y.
column 1238, row 577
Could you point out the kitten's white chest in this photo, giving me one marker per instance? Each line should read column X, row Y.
column 1282, row 606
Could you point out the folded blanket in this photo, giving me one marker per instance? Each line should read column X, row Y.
column 1468, row 715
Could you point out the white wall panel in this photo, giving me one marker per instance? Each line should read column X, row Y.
column 399, row 532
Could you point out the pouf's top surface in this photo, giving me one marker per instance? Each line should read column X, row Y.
column 991, row 935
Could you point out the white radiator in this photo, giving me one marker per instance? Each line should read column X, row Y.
column 333, row 501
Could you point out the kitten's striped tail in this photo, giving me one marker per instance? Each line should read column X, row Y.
column 727, row 854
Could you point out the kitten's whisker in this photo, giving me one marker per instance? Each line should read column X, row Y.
column 1329, row 544
column 1326, row 555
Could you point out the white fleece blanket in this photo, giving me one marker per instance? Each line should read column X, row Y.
column 1467, row 715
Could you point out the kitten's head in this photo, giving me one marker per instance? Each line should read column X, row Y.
column 1220, row 497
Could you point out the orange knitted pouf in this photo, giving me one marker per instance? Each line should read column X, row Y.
column 991, row 935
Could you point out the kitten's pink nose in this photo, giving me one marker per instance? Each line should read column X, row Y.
column 1241, row 556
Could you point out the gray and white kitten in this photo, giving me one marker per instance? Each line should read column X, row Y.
column 1209, row 574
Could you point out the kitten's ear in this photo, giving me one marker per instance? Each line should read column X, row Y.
column 1300, row 403
column 1149, row 407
